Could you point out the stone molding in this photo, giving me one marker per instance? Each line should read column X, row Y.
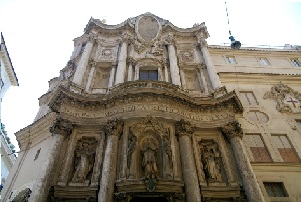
column 184, row 128
column 61, row 127
column 233, row 129
column 114, row 127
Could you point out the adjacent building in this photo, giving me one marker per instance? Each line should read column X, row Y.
column 147, row 111
column 7, row 78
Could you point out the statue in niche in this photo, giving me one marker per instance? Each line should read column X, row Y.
column 210, row 161
column 131, row 148
column 149, row 163
column 84, row 159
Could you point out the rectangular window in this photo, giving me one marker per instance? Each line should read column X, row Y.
column 231, row 59
column 295, row 62
column 285, row 149
column 148, row 75
column 257, row 147
column 248, row 98
column 263, row 61
column 275, row 189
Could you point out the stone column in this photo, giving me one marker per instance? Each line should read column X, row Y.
column 83, row 62
column 112, row 75
column 98, row 160
column 121, row 67
column 91, row 74
column 214, row 78
column 183, row 76
column 60, row 130
column 113, row 130
column 173, row 61
column 203, row 79
column 165, row 62
column 130, row 69
column 136, row 74
column 184, row 131
column 251, row 186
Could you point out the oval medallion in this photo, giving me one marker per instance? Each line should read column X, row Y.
column 148, row 28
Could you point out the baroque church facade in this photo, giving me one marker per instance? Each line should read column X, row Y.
column 147, row 111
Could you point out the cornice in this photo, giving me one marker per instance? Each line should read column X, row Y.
column 129, row 24
column 260, row 78
column 252, row 50
column 36, row 129
column 138, row 94
column 7, row 63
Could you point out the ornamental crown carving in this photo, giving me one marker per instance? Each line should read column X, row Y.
column 287, row 99
column 232, row 129
column 61, row 127
column 184, row 128
column 114, row 127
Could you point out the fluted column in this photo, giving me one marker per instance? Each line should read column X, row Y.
column 113, row 130
column 121, row 67
column 112, row 75
column 83, row 62
column 60, row 130
column 214, row 78
column 184, row 131
column 234, row 133
column 182, row 74
column 173, row 61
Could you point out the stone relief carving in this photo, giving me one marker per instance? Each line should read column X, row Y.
column 138, row 45
column 287, row 99
column 107, row 53
column 157, row 47
column 61, row 127
column 25, row 196
column 84, row 160
column 211, row 162
column 187, row 56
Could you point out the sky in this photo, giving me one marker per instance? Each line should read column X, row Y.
column 39, row 35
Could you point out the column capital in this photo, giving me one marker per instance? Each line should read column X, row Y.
column 126, row 38
column 184, row 128
column 61, row 127
column 92, row 62
column 232, row 129
column 130, row 61
column 114, row 127
column 169, row 40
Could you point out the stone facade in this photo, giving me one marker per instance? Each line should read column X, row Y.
column 147, row 111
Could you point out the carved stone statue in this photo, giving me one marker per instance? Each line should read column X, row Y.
column 84, row 159
column 211, row 162
column 131, row 148
column 150, row 164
